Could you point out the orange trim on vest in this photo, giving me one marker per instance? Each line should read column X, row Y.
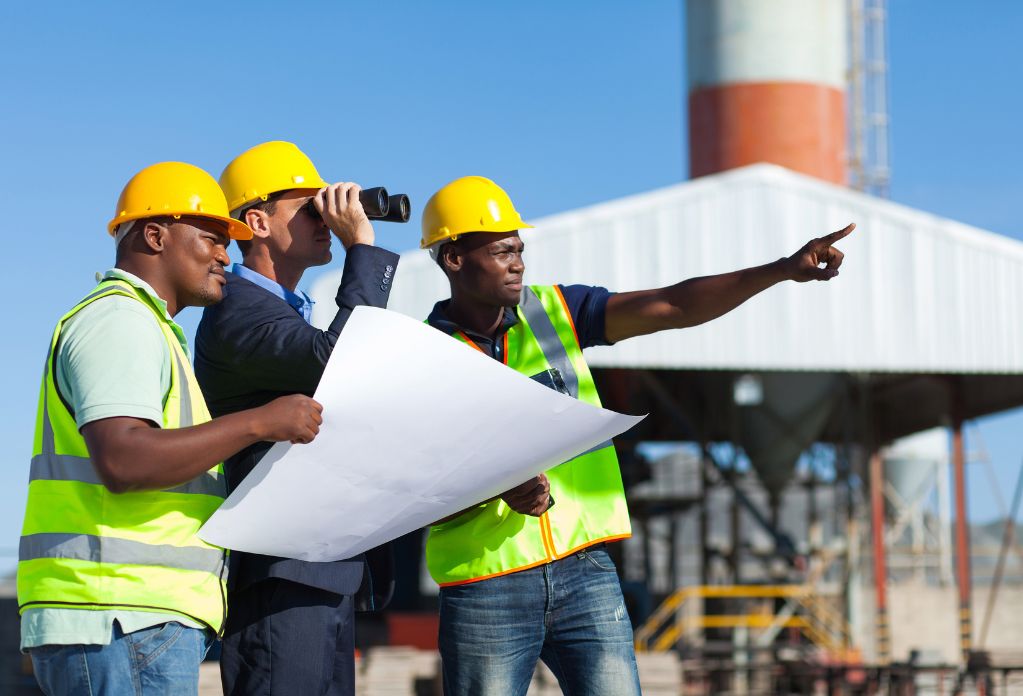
column 571, row 319
column 465, row 337
column 504, row 349
column 577, row 549
column 547, row 537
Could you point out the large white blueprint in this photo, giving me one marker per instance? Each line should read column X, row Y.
column 416, row 426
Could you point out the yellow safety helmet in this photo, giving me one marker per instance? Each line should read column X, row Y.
column 176, row 189
column 266, row 169
column 469, row 204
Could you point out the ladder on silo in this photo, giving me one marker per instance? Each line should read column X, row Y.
column 869, row 167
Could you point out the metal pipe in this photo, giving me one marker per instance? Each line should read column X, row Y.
column 880, row 559
column 1007, row 536
column 962, row 538
column 736, row 521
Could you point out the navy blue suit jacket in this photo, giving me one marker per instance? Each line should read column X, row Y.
column 253, row 347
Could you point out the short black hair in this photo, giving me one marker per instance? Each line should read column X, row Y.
column 269, row 206
column 137, row 225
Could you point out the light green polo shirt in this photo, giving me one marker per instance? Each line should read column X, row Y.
column 112, row 361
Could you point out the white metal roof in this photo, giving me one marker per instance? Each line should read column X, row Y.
column 917, row 292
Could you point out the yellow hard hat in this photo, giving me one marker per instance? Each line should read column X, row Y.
column 266, row 169
column 175, row 188
column 469, row 204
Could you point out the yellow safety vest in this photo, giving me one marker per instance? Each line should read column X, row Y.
column 83, row 547
column 492, row 539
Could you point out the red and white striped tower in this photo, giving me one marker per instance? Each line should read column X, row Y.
column 767, row 84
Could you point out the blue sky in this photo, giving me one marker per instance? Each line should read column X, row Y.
column 566, row 104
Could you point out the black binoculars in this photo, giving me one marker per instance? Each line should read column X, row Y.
column 377, row 204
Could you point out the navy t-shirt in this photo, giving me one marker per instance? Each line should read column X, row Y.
column 586, row 303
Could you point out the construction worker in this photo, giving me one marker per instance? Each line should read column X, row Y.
column 526, row 575
column 118, row 595
column 290, row 629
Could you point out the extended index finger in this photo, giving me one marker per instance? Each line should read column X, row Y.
column 835, row 236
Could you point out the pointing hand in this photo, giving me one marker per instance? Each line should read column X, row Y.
column 805, row 264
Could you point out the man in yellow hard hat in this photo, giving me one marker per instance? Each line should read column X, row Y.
column 291, row 626
column 117, row 593
column 526, row 576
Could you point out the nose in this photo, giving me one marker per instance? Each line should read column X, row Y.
column 518, row 265
column 222, row 256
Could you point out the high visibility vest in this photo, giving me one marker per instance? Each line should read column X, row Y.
column 492, row 539
column 83, row 547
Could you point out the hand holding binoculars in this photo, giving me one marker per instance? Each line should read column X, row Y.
column 378, row 205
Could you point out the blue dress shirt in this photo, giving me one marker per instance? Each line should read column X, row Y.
column 301, row 303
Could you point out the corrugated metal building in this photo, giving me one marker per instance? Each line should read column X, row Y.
column 918, row 293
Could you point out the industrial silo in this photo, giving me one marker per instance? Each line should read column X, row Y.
column 767, row 83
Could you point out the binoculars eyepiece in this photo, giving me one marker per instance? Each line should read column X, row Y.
column 378, row 204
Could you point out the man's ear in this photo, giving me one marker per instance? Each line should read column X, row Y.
column 259, row 221
column 450, row 257
column 154, row 236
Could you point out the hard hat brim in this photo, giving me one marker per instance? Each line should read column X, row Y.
column 522, row 225
column 235, row 228
column 253, row 200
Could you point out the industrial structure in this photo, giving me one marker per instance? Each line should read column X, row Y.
column 785, row 535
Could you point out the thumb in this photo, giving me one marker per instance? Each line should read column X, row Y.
column 823, row 273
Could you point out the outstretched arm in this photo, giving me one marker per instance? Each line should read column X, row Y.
column 699, row 300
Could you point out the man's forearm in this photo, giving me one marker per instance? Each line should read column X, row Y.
column 689, row 303
column 699, row 300
column 131, row 455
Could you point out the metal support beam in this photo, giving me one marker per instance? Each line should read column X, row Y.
column 882, row 632
column 1007, row 537
column 962, row 538
column 785, row 548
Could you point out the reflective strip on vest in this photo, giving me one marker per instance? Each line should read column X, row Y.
column 547, row 336
column 85, row 547
column 67, row 467
column 552, row 347
column 185, row 418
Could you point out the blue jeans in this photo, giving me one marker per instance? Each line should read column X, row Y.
column 160, row 660
column 569, row 613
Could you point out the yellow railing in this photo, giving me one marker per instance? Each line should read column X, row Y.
column 808, row 612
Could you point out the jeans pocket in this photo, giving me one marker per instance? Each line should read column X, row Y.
column 149, row 643
column 58, row 668
column 598, row 558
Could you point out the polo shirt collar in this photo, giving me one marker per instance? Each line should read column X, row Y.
column 139, row 284
column 158, row 302
column 439, row 319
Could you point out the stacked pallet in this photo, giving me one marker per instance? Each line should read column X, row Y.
column 398, row 671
